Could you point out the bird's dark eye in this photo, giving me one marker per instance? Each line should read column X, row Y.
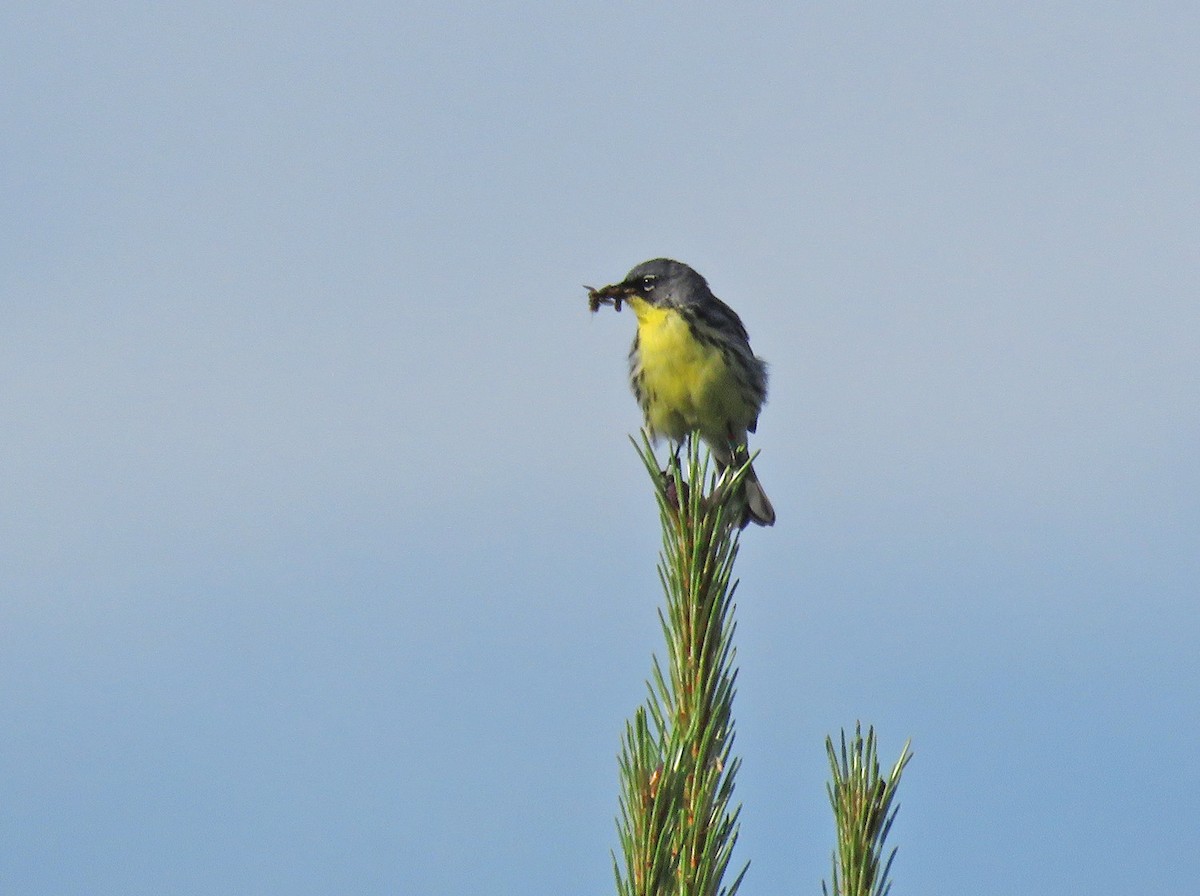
column 648, row 282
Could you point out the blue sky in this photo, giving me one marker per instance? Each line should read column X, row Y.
column 325, row 563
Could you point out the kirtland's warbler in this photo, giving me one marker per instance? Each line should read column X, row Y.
column 691, row 367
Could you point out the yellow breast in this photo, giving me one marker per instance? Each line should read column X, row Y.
column 687, row 382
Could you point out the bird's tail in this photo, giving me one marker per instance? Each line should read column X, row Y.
column 758, row 505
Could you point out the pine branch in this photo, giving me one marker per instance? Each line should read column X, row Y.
column 863, row 810
column 677, row 821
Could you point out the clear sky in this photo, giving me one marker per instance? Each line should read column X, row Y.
column 326, row 566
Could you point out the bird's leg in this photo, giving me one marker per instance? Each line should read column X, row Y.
column 673, row 476
column 672, row 467
column 739, row 453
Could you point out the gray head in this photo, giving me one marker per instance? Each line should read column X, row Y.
column 662, row 281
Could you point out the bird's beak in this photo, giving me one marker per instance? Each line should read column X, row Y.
column 613, row 294
column 621, row 290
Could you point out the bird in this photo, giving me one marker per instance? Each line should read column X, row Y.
column 691, row 368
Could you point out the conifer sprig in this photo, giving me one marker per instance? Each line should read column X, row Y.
column 677, row 822
column 864, row 808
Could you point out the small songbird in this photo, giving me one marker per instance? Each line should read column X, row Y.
column 691, row 367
